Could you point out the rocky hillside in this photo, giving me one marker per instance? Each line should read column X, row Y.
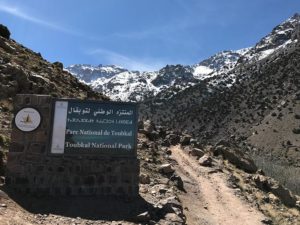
column 256, row 104
column 183, row 180
column 121, row 84
column 239, row 98
column 25, row 71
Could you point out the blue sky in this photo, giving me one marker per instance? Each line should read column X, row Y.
column 140, row 34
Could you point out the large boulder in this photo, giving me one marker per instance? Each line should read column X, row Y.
column 4, row 32
column 270, row 185
column 282, row 193
column 237, row 158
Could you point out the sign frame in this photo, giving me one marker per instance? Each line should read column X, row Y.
column 133, row 152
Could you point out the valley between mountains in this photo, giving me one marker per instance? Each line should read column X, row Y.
column 218, row 141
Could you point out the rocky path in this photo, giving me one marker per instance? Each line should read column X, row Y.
column 208, row 199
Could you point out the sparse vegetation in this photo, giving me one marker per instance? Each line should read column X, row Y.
column 4, row 141
column 287, row 175
column 4, row 32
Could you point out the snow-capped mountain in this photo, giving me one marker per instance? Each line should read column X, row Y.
column 121, row 84
column 264, row 78
column 87, row 73
column 280, row 37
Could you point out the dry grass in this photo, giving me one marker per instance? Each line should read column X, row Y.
column 287, row 175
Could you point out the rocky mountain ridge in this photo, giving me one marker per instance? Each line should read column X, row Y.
column 125, row 85
column 122, row 84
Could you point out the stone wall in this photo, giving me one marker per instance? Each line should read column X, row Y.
column 31, row 168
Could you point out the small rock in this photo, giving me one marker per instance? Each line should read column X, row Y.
column 3, row 205
column 177, row 181
column 205, row 160
column 163, row 181
column 154, row 135
column 144, row 178
column 174, row 139
column 148, row 126
column 2, row 179
column 143, row 189
column 261, row 182
column 273, row 198
column 163, row 190
column 197, row 152
column 166, row 143
column 166, row 168
column 296, row 130
column 298, row 204
column 173, row 218
column 170, row 203
column 143, row 217
column 267, row 221
column 185, row 140
column 261, row 172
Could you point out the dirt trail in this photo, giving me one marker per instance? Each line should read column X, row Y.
column 208, row 199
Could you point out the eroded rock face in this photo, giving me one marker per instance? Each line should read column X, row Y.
column 270, row 185
column 236, row 157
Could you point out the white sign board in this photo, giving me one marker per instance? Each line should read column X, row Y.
column 59, row 127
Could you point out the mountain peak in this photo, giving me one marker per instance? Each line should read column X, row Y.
column 296, row 16
column 122, row 84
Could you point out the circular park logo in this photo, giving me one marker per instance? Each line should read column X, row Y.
column 27, row 119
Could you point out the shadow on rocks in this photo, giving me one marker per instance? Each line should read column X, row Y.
column 85, row 207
